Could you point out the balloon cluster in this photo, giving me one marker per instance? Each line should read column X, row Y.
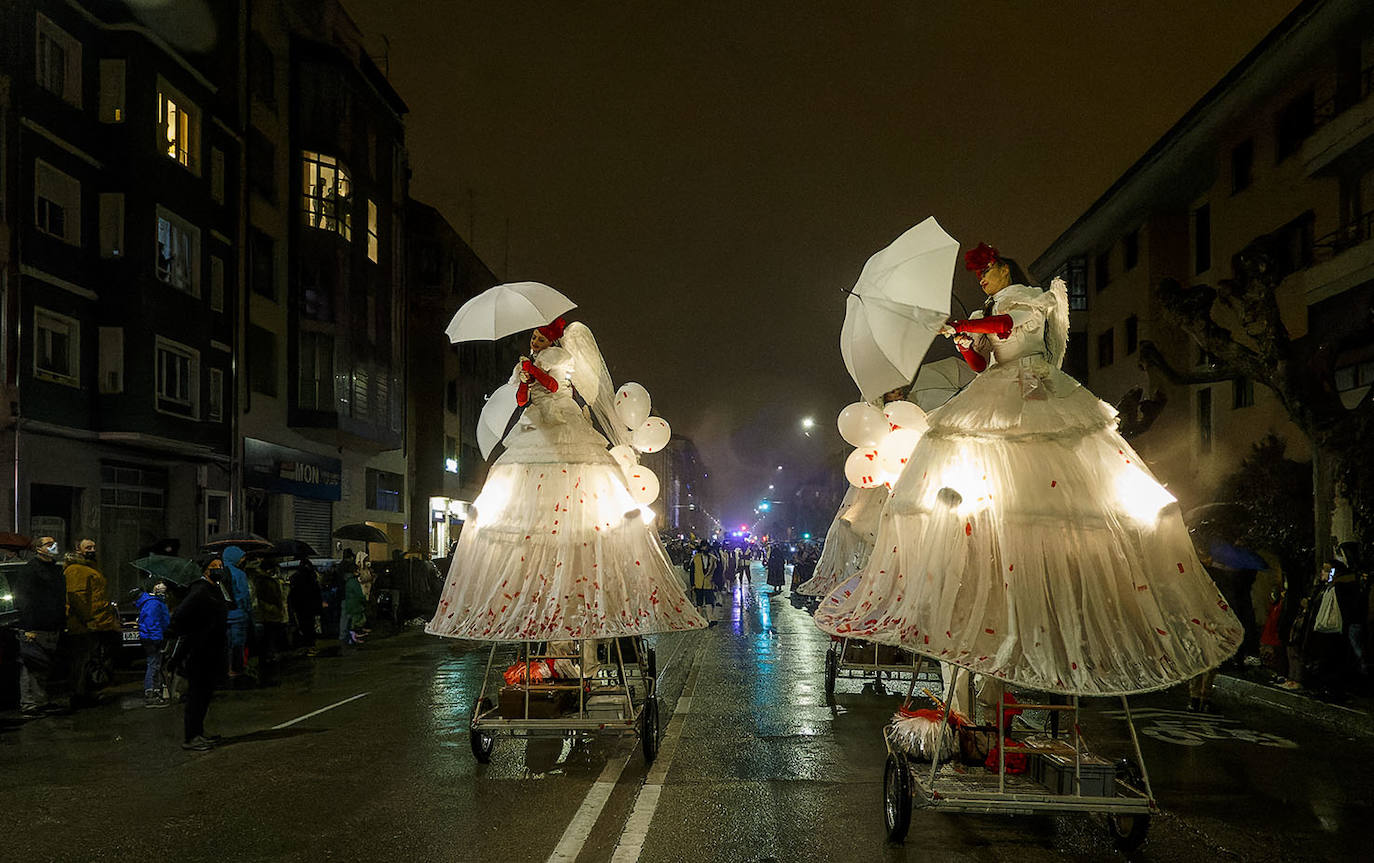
column 884, row 440
column 647, row 434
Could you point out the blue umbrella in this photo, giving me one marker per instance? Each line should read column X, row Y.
column 1235, row 557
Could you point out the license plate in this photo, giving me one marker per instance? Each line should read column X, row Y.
column 130, row 635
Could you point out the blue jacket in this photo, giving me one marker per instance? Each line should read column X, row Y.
column 152, row 616
column 241, row 612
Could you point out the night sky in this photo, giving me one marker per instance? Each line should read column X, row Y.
column 705, row 179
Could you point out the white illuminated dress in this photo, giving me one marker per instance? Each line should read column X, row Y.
column 558, row 549
column 849, row 541
column 1025, row 539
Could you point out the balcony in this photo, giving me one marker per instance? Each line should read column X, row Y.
column 1342, row 259
column 1339, row 125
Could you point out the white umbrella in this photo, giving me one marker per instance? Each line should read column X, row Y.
column 937, row 382
column 496, row 413
column 506, row 309
column 896, row 307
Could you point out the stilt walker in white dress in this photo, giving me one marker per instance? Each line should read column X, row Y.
column 558, row 548
column 1025, row 540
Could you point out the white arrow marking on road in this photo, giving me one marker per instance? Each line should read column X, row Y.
column 292, row 722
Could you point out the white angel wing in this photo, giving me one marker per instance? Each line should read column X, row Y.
column 1057, row 322
column 496, row 414
column 593, row 381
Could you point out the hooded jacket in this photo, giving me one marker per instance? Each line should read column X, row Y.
column 88, row 600
column 152, row 616
column 241, row 612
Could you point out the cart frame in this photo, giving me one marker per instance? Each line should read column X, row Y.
column 837, row 667
column 634, row 680
column 946, row 787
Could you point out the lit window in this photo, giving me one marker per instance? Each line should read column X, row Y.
column 56, row 348
column 450, row 454
column 328, row 191
column 372, row 242
column 178, row 369
column 179, row 123
column 178, row 252
column 57, row 203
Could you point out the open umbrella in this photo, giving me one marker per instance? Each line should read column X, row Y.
column 293, row 548
column 360, row 532
column 896, row 307
column 177, row 569
column 505, row 309
column 1231, row 556
column 496, row 414
column 244, row 539
column 15, row 541
column 937, row 382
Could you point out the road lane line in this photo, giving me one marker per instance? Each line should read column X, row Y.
column 575, row 836
column 631, row 843
column 292, row 722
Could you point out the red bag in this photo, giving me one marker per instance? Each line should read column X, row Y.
column 539, row 671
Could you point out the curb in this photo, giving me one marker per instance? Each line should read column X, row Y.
column 1335, row 716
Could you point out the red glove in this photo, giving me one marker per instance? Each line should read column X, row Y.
column 522, row 394
column 542, row 377
column 995, row 325
column 975, row 360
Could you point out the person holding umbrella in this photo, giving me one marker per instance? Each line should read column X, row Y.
column 200, row 622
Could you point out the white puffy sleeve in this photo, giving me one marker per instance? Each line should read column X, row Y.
column 557, row 363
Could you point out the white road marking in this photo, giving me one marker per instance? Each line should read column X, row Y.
column 582, row 823
column 292, row 722
column 631, row 843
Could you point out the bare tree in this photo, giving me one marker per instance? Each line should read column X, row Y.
column 1300, row 372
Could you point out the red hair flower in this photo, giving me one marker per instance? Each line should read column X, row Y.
column 553, row 331
column 980, row 258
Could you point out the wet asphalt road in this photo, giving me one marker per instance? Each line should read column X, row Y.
column 757, row 765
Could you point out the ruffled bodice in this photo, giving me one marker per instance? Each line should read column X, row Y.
column 553, row 428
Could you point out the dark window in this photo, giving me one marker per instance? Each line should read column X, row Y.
column 1202, row 239
column 1242, row 393
column 1204, row 420
column 262, row 360
column 1076, row 355
column 1130, row 250
column 1294, row 245
column 384, row 490
column 262, row 165
column 317, row 288
column 1205, row 358
column 262, row 71
column 1294, row 124
column 1242, row 165
column 1132, row 334
column 451, row 397
column 262, row 265
column 1349, row 63
column 1106, row 348
column 1101, row 273
column 1077, row 278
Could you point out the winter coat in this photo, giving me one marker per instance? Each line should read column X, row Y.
column 152, row 616
column 777, row 567
column 88, row 600
column 305, row 591
column 354, row 604
column 270, row 604
column 200, row 622
column 241, row 613
column 40, row 596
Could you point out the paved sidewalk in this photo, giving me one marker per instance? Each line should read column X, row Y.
column 1355, row 716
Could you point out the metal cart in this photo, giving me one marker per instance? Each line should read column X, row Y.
column 854, row 659
column 616, row 695
column 1121, row 791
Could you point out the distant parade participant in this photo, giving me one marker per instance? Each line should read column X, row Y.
column 1025, row 540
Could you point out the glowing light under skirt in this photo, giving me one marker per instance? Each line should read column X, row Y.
column 1051, row 560
column 849, row 541
column 559, row 551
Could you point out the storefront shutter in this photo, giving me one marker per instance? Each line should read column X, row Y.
column 314, row 523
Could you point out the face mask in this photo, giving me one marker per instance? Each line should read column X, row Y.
column 49, row 549
column 89, row 555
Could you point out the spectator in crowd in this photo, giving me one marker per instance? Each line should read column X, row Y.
column 40, row 598
column 777, row 567
column 353, row 614
column 200, row 623
column 240, row 615
column 152, row 627
column 304, row 598
column 93, row 627
column 269, row 613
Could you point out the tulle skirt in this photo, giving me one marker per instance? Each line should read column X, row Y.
column 849, row 541
column 558, row 550
column 1026, row 541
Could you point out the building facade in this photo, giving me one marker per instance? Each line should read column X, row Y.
column 1283, row 146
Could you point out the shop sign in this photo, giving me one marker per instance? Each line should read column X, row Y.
column 291, row 471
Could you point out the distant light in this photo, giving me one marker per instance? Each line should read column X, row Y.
column 9, row 597
column 779, row 467
column 808, row 423
column 770, row 488
column 806, row 536
column 451, row 465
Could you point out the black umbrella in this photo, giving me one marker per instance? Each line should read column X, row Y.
column 244, row 539
column 360, row 532
column 294, row 548
column 15, row 541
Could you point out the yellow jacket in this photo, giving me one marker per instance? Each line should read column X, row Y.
column 88, row 599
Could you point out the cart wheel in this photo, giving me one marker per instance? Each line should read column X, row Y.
column 832, row 670
column 1128, row 831
column 482, row 742
column 651, row 663
column 648, row 730
column 896, row 798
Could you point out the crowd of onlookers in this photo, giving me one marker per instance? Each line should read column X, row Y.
column 712, row 566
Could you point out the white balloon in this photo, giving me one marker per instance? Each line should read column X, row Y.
column 861, row 468
column 906, row 415
column 632, row 405
column 862, row 425
column 896, row 449
column 643, row 484
column 624, row 456
column 652, row 436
